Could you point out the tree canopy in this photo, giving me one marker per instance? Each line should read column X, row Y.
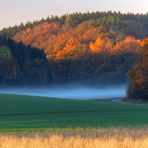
column 139, row 74
column 96, row 48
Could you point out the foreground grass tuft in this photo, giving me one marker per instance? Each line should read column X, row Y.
column 79, row 138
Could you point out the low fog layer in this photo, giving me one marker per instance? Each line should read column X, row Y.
column 70, row 92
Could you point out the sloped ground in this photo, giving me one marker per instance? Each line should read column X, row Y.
column 40, row 113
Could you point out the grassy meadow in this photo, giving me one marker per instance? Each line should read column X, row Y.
column 40, row 122
column 40, row 113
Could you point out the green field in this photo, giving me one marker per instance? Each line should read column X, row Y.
column 25, row 112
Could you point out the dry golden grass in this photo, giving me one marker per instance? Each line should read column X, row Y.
column 79, row 138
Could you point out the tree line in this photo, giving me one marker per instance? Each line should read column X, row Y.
column 88, row 48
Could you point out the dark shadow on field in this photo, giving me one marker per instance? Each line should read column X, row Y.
column 69, row 112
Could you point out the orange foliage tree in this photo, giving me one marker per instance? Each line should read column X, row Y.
column 129, row 44
column 101, row 44
column 139, row 74
column 71, row 43
column 89, row 35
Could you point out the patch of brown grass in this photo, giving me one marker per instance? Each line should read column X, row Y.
column 79, row 138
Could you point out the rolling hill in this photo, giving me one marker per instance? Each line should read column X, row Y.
column 39, row 113
column 92, row 48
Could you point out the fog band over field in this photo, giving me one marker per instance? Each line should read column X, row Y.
column 68, row 92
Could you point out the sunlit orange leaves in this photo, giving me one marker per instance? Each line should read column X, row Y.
column 59, row 41
column 129, row 44
column 101, row 44
column 70, row 45
column 36, row 35
column 144, row 43
column 89, row 35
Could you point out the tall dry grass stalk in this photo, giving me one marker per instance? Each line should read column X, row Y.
column 96, row 138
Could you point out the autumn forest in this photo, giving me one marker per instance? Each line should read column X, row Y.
column 86, row 48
